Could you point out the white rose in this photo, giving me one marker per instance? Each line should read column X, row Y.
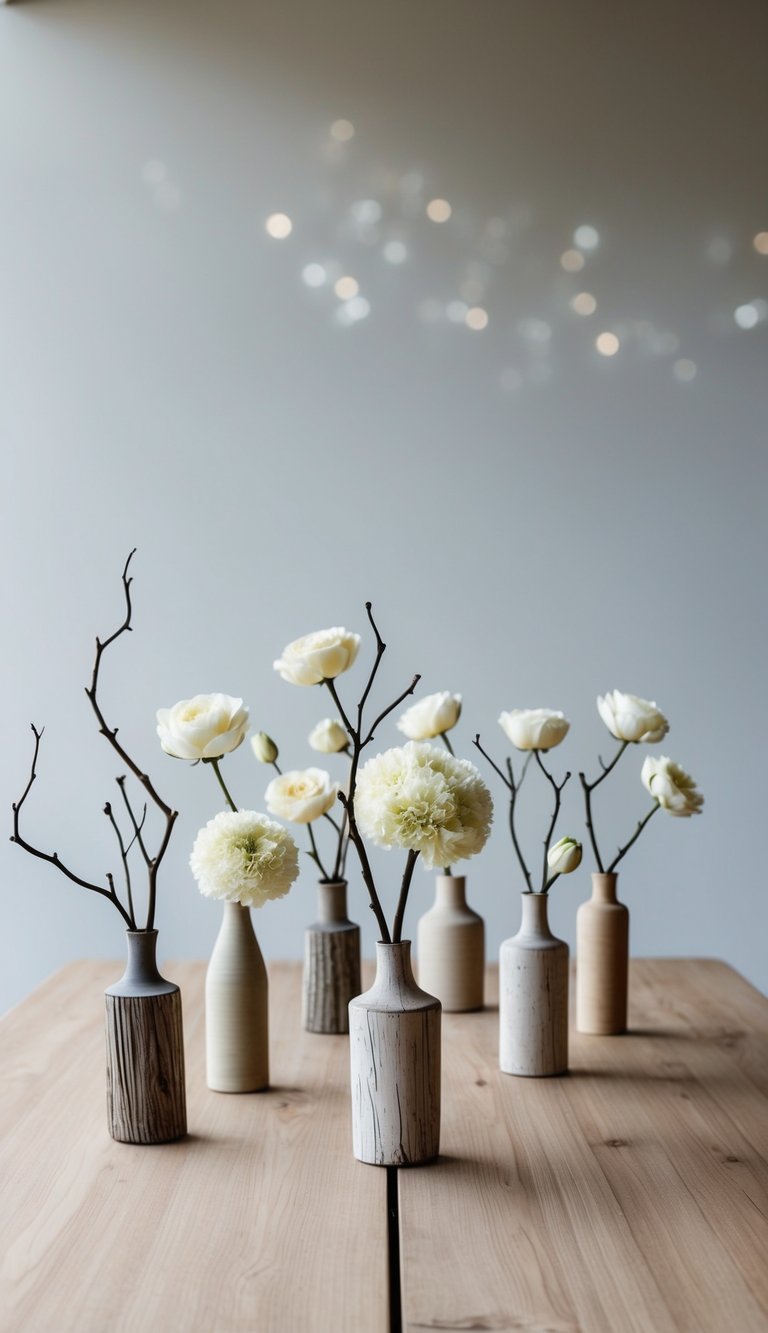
column 205, row 727
column 565, row 856
column 671, row 786
column 534, row 728
column 430, row 716
column 264, row 748
column 318, row 657
column 302, row 795
column 629, row 718
column 329, row 736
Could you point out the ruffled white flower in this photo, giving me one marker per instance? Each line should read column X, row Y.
column 630, row 718
column 204, row 727
column 565, row 856
column 301, row 795
column 244, row 857
column 534, row 728
column 264, row 748
column 430, row 716
column 671, row 786
column 320, row 656
column 329, row 736
column 423, row 799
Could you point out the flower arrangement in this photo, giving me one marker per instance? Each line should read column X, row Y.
column 135, row 837
column 416, row 797
column 536, row 730
column 635, row 721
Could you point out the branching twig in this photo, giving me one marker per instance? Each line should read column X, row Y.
column 588, row 788
column 623, row 850
column 124, row 858
column 514, row 790
column 137, row 825
column 397, row 926
column 557, row 789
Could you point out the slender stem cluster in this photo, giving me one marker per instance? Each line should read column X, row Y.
column 514, row 787
column 588, row 788
column 152, row 863
column 360, row 736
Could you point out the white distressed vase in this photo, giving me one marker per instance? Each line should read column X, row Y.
column 602, row 960
column 331, row 962
column 451, row 948
column 533, row 996
column 236, row 1008
column 394, row 1046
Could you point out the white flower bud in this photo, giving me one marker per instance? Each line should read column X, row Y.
column 264, row 748
column 565, row 856
column 430, row 716
column 329, row 737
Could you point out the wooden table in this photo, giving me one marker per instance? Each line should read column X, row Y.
column 630, row 1195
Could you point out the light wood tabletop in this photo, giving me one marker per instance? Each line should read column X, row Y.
column 630, row 1194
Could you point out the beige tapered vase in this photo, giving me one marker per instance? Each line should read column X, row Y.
column 331, row 962
column 451, row 948
column 533, row 996
column 394, row 1048
column 236, row 1008
column 602, row 960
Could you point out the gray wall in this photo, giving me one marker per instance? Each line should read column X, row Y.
column 535, row 523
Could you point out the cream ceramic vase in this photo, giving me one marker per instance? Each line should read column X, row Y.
column 451, row 948
column 533, row 996
column 602, row 960
column 146, row 1100
column 331, row 962
column 394, row 1047
column 236, row 1009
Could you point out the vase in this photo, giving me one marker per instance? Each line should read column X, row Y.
column 394, row 1044
column 331, row 962
column 533, row 996
column 451, row 948
column 602, row 960
column 236, row 1008
column 146, row 1099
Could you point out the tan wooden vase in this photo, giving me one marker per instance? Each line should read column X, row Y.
column 331, row 962
column 236, row 1008
column 602, row 960
column 394, row 1048
column 533, row 996
column 146, row 1098
column 451, row 948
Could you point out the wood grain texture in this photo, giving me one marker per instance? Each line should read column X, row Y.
column 631, row 1195
column 331, row 977
column 259, row 1219
column 146, row 1100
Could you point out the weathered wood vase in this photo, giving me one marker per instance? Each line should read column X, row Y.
column 236, row 1008
column 146, row 1098
column 331, row 962
column 602, row 960
column 533, row 996
column 451, row 948
column 394, row 1045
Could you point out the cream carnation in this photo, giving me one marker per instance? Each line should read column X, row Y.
column 320, row 656
column 430, row 716
column 204, row 727
column 244, row 857
column 423, row 799
column 301, row 795
column 630, row 718
column 670, row 785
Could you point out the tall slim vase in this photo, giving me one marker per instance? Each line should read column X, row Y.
column 533, row 996
column 331, row 962
column 602, row 960
column 451, row 948
column 236, row 1008
column 394, row 1047
column 146, row 1099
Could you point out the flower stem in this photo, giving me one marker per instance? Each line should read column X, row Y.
column 215, row 766
column 315, row 853
column 557, row 788
column 447, row 743
column 397, row 927
column 588, row 788
column 623, row 850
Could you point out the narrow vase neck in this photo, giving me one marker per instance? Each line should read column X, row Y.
column 141, row 976
column 535, row 920
column 332, row 902
column 237, row 919
column 604, row 888
column 393, row 964
column 451, row 891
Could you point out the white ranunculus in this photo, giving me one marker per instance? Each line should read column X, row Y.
column 302, row 795
column 565, row 856
column 329, row 736
column 205, row 727
column 264, row 748
column 430, row 716
column 243, row 857
column 630, row 718
column 421, row 798
column 671, row 786
column 318, row 657
column 534, row 728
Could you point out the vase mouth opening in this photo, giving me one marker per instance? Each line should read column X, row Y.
column 332, row 883
column 391, row 944
column 144, row 934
